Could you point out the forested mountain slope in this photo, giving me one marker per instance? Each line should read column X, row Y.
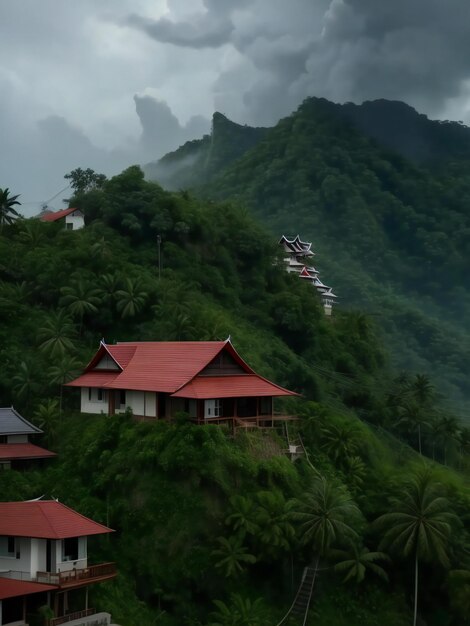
column 392, row 237
column 212, row 529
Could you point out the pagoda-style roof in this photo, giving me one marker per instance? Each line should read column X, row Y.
column 12, row 423
column 172, row 367
column 296, row 246
column 46, row 519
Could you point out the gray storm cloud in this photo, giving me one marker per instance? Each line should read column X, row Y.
column 69, row 85
column 341, row 49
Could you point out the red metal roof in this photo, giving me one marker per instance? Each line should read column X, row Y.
column 46, row 519
column 12, row 451
column 170, row 366
column 153, row 366
column 10, row 588
column 94, row 379
column 56, row 215
column 204, row 387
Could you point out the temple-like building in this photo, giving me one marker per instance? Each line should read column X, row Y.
column 298, row 259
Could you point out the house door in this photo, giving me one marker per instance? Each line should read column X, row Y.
column 212, row 408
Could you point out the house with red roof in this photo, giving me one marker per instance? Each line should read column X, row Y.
column 16, row 451
column 44, row 560
column 207, row 380
column 73, row 219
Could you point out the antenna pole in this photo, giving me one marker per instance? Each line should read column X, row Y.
column 159, row 243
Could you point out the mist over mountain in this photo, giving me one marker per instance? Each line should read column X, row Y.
column 383, row 193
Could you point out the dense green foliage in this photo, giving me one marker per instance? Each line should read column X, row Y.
column 392, row 237
column 215, row 529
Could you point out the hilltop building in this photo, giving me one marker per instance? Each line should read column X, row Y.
column 44, row 561
column 298, row 260
column 73, row 219
column 16, row 451
column 207, row 380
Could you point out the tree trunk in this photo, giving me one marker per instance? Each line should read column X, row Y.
column 416, row 591
column 419, row 438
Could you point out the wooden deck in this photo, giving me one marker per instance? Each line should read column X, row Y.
column 79, row 577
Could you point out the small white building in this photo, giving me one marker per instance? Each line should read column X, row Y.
column 73, row 219
column 43, row 548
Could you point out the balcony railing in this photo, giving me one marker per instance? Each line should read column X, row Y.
column 74, row 576
column 56, row 621
column 252, row 421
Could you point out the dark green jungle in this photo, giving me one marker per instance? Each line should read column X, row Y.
column 214, row 529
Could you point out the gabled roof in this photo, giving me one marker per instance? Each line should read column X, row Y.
column 166, row 367
column 46, row 519
column 12, row 423
column 10, row 588
column 53, row 216
column 17, row 451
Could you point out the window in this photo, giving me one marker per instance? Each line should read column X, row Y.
column 3, row 439
column 122, row 397
column 73, row 548
column 69, row 225
column 213, row 408
column 96, row 395
column 8, row 547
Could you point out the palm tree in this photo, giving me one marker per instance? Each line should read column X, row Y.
column 327, row 517
column 275, row 530
column 242, row 517
column 356, row 561
column 419, row 525
column 445, row 432
column 340, row 442
column 240, row 612
column 232, row 556
column 131, row 299
column 7, row 212
column 63, row 371
column 80, row 299
column 56, row 334
column 414, row 419
column 423, row 390
column 47, row 415
column 25, row 382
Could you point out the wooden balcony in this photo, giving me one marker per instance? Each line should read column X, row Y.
column 254, row 421
column 70, row 617
column 79, row 577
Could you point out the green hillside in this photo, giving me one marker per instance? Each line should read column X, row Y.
column 392, row 236
column 215, row 530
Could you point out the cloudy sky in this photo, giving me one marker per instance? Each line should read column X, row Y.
column 108, row 83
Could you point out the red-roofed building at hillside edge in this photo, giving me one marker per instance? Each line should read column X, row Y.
column 16, row 451
column 73, row 219
column 44, row 550
column 207, row 380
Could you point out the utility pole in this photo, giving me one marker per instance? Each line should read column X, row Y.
column 159, row 244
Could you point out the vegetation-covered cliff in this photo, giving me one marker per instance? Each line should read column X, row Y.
column 391, row 234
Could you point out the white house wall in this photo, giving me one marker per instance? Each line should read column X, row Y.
column 23, row 564
column 76, row 219
column 90, row 406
